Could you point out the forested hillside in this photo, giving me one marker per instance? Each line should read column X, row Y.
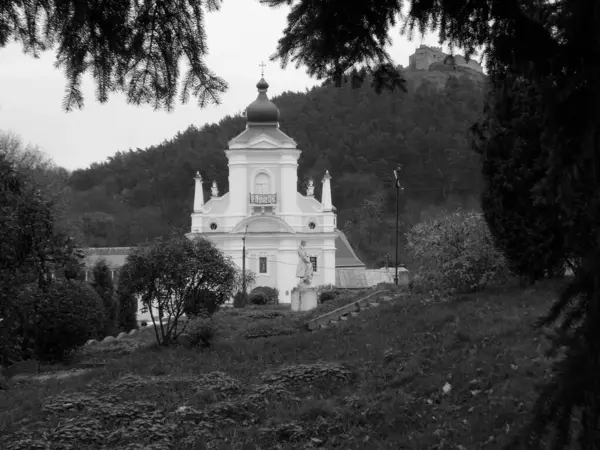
column 356, row 134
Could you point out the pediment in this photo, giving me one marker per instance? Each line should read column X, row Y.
column 263, row 141
column 263, row 224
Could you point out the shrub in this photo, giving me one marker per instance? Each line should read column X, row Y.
column 327, row 296
column 200, row 332
column 127, row 307
column 103, row 285
column 271, row 295
column 240, row 299
column 68, row 314
column 258, row 298
column 454, row 254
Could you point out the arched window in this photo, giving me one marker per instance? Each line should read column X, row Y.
column 261, row 184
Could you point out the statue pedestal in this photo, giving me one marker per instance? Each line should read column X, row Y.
column 304, row 298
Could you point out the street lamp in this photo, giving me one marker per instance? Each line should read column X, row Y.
column 399, row 187
column 244, row 262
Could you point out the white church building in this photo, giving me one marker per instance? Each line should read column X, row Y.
column 264, row 210
column 264, row 206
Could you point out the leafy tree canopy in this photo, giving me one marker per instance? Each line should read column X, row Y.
column 132, row 46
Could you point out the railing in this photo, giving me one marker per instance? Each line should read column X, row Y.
column 263, row 199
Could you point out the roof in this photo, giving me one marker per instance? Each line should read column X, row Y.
column 344, row 255
column 115, row 256
column 254, row 132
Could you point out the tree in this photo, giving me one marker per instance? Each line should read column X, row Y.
column 131, row 47
column 167, row 273
column 32, row 250
column 103, row 285
column 509, row 139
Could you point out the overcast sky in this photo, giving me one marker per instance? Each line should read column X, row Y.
column 241, row 35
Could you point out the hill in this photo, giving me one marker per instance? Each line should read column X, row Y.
column 374, row 381
column 356, row 134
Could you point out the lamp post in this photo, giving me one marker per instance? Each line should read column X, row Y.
column 244, row 262
column 397, row 171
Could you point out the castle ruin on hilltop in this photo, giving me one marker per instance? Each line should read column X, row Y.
column 425, row 56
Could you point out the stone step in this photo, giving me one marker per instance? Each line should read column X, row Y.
column 374, row 304
column 324, row 326
column 344, row 318
column 333, row 322
column 354, row 313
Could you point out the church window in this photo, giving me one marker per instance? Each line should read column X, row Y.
column 312, row 225
column 261, row 184
column 262, row 264
column 213, row 226
column 313, row 261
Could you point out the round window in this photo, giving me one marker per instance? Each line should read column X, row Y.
column 312, row 225
column 213, row 226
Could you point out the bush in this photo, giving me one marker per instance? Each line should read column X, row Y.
column 69, row 314
column 454, row 254
column 271, row 295
column 258, row 298
column 240, row 299
column 200, row 332
column 327, row 296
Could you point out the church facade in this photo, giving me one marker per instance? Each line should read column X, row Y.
column 264, row 212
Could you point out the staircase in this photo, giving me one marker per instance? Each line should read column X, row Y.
column 353, row 309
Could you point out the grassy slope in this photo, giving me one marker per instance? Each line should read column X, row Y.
column 374, row 381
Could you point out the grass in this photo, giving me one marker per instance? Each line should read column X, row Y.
column 375, row 381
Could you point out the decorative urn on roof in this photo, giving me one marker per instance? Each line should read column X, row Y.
column 262, row 111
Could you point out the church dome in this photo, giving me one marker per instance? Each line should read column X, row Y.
column 262, row 110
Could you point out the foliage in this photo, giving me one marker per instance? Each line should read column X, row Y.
column 68, row 314
column 258, row 298
column 200, row 303
column 527, row 231
column 270, row 295
column 127, row 306
column 200, row 332
column 103, row 285
column 240, row 299
column 356, row 134
column 326, row 292
column 454, row 254
column 130, row 47
column 32, row 249
column 167, row 273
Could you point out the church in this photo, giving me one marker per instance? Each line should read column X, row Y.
column 264, row 212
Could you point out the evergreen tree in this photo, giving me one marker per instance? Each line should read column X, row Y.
column 134, row 47
column 526, row 230
column 103, row 285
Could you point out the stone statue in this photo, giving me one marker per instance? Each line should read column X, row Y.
column 310, row 190
column 214, row 190
column 304, row 270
